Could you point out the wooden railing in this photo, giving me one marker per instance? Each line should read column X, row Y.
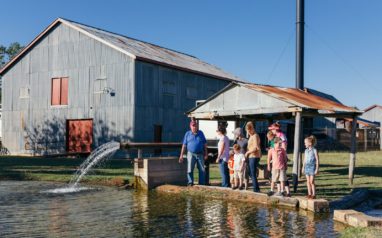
column 140, row 146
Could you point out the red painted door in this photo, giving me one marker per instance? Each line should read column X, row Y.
column 79, row 136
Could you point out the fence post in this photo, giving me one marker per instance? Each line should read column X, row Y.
column 297, row 150
column 365, row 139
column 139, row 153
column 353, row 150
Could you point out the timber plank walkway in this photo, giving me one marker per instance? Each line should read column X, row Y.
column 315, row 205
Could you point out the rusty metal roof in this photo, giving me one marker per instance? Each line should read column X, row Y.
column 139, row 50
column 309, row 99
column 240, row 100
column 302, row 98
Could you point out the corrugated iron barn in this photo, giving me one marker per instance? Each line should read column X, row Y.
column 75, row 87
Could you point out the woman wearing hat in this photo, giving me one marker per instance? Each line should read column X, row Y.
column 275, row 128
column 253, row 154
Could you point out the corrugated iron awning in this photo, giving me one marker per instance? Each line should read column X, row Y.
column 239, row 100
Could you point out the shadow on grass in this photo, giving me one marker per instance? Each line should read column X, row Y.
column 331, row 165
column 366, row 171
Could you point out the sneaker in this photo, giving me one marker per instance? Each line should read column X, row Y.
column 270, row 193
column 313, row 197
column 279, row 194
column 233, row 188
column 190, row 185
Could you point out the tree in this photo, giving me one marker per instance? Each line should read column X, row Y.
column 3, row 55
column 7, row 53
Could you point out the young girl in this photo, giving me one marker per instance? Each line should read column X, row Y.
column 238, row 166
column 310, row 166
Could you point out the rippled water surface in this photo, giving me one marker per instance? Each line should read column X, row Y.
column 27, row 210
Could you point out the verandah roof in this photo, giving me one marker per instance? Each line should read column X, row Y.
column 245, row 100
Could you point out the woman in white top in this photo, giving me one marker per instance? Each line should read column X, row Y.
column 223, row 155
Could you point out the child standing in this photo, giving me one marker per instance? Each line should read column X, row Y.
column 279, row 159
column 238, row 166
column 310, row 165
column 231, row 171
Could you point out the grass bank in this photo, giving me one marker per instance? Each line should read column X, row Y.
column 112, row 172
column 353, row 232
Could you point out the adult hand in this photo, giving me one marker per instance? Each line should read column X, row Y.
column 217, row 160
column 269, row 168
column 180, row 159
column 316, row 172
column 206, row 157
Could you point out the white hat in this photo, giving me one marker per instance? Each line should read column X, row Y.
column 238, row 132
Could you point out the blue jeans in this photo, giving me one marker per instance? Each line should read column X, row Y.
column 224, row 172
column 197, row 159
column 253, row 164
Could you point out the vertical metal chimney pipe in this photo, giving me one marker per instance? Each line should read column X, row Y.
column 300, row 44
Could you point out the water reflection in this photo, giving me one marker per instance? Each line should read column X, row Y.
column 25, row 212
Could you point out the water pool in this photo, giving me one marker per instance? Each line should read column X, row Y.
column 28, row 211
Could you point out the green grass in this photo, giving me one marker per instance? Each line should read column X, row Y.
column 113, row 172
column 332, row 182
column 353, row 232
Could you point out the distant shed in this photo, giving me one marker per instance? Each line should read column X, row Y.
column 373, row 114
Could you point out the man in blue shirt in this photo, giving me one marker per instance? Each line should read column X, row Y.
column 196, row 144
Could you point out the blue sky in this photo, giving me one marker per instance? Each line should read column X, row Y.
column 252, row 39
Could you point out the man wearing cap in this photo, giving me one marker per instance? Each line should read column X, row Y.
column 196, row 144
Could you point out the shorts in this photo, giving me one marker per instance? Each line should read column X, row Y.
column 278, row 175
column 238, row 174
column 310, row 169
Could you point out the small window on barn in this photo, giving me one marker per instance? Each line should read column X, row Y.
column 24, row 92
column 59, row 95
column 169, row 87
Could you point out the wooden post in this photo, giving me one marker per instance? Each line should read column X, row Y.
column 353, row 150
column 296, row 150
column 139, row 153
column 365, row 139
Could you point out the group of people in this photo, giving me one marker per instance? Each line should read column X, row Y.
column 238, row 165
